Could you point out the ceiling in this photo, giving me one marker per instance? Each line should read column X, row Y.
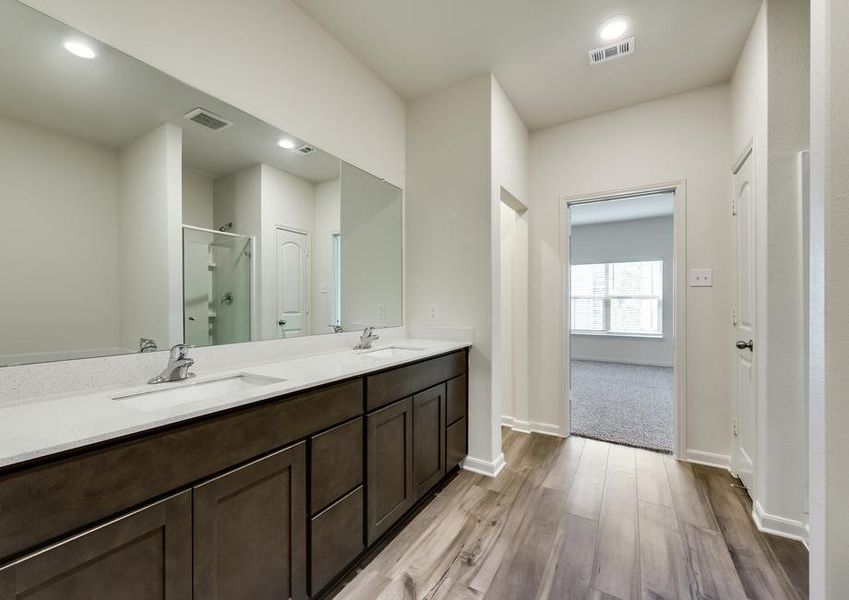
column 537, row 49
column 114, row 98
column 622, row 209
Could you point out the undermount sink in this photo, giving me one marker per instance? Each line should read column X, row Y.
column 185, row 393
column 394, row 352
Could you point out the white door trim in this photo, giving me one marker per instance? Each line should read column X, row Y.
column 679, row 300
column 307, row 268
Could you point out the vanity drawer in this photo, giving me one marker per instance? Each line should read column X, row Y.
column 456, row 399
column 456, row 437
column 337, row 463
column 389, row 386
column 337, row 539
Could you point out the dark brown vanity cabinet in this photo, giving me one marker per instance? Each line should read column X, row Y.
column 275, row 499
column 390, row 465
column 144, row 555
column 249, row 530
column 409, row 444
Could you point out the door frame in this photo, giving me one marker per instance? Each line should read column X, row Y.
column 307, row 275
column 679, row 300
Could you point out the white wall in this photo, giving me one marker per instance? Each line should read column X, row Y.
column 58, row 251
column 829, row 385
column 449, row 235
column 507, row 380
column 286, row 200
column 197, row 199
column 327, row 221
column 683, row 137
column 372, row 250
column 453, row 221
column 509, row 193
column 151, row 238
column 770, row 106
column 640, row 239
column 266, row 57
column 783, row 481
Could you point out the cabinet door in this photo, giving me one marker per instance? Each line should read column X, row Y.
column 146, row 555
column 428, row 439
column 249, row 530
column 389, row 440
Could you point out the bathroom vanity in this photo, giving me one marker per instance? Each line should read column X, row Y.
column 170, row 218
column 273, row 498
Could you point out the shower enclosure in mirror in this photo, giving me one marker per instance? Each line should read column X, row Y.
column 142, row 212
column 216, row 287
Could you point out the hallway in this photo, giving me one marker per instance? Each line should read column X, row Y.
column 580, row 518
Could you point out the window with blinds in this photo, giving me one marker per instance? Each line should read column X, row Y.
column 624, row 298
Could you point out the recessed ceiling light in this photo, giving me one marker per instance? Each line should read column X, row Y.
column 286, row 143
column 613, row 28
column 81, row 49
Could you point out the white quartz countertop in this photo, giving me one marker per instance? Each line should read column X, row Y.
column 46, row 426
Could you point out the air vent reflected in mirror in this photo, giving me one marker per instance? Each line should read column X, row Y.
column 208, row 119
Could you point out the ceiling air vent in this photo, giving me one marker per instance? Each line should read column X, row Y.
column 305, row 149
column 612, row 51
column 210, row 120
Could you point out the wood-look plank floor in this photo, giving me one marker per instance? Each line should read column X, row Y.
column 579, row 518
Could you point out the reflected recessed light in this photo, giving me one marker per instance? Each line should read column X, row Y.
column 613, row 28
column 80, row 49
column 286, row 143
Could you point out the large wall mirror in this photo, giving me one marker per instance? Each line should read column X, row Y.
column 139, row 212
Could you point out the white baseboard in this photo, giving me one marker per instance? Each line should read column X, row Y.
column 723, row 461
column 530, row 426
column 781, row 526
column 483, row 467
column 772, row 524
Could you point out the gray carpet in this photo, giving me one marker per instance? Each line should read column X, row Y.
column 627, row 404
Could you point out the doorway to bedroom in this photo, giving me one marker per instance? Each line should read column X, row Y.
column 620, row 287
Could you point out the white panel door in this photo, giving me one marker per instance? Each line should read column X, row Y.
column 292, row 284
column 745, row 426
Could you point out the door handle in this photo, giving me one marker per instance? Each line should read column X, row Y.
column 281, row 322
column 741, row 345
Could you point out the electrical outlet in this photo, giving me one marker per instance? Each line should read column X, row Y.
column 381, row 311
column 701, row 277
column 433, row 312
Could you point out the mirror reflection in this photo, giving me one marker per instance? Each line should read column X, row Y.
column 140, row 212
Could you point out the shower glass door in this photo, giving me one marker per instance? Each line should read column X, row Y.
column 216, row 287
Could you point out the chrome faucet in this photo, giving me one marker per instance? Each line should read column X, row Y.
column 178, row 365
column 335, row 328
column 367, row 339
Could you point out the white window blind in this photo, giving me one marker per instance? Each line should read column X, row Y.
column 617, row 298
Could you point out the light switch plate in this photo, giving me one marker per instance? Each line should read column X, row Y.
column 381, row 311
column 701, row 277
